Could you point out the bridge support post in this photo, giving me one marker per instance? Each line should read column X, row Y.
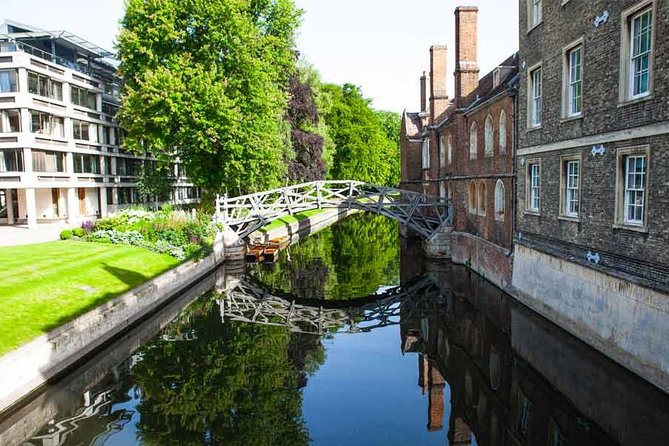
column 439, row 245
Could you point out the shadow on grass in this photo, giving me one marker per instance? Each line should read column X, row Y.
column 130, row 278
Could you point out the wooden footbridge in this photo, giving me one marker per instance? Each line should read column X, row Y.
column 422, row 213
column 251, row 302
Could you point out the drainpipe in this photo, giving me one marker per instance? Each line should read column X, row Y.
column 514, row 199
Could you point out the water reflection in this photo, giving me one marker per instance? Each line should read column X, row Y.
column 268, row 364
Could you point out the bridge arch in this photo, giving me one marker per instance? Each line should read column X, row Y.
column 424, row 214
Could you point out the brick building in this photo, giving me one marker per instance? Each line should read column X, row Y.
column 463, row 149
column 592, row 235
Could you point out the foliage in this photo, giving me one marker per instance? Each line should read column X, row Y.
column 364, row 149
column 350, row 259
column 154, row 181
column 165, row 232
column 78, row 232
column 66, row 234
column 206, row 81
column 48, row 284
column 235, row 384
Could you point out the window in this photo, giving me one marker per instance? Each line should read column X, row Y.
column 534, row 106
column 86, row 163
column 46, row 124
column 83, row 97
column 10, row 121
column 472, row 198
column 502, row 132
column 524, row 417
column 442, row 151
column 641, row 28
column 11, row 160
column 8, row 81
column 571, row 176
column 44, row 86
column 499, row 200
column 632, row 186
column 44, row 161
column 535, row 13
column 450, row 150
column 481, row 199
column 533, row 186
column 426, row 153
column 105, row 135
column 80, row 129
column 574, row 85
column 473, row 141
column 489, row 136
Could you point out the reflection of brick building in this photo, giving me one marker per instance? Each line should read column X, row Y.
column 463, row 149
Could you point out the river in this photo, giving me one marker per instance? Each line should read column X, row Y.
column 352, row 338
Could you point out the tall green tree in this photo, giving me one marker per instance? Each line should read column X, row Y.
column 363, row 149
column 206, row 81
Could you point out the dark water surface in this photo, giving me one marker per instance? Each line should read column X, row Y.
column 351, row 339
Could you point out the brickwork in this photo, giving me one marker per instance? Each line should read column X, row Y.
column 599, row 229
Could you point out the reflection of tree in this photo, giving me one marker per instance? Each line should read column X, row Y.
column 350, row 259
column 236, row 384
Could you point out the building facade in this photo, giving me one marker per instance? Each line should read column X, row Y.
column 463, row 149
column 61, row 156
column 592, row 235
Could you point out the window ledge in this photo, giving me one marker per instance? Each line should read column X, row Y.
column 571, row 118
column 569, row 218
column 533, row 27
column 532, row 128
column 531, row 212
column 632, row 101
column 633, row 228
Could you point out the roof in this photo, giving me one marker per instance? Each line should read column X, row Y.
column 487, row 89
column 16, row 30
column 413, row 126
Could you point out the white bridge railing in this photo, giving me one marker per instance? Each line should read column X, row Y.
column 248, row 213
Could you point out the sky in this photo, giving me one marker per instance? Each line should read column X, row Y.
column 380, row 45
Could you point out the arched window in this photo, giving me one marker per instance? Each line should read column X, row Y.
column 442, row 151
column 489, row 136
column 481, row 201
column 473, row 141
column 502, row 132
column 450, row 150
column 499, row 200
column 426, row 154
column 472, row 197
column 442, row 190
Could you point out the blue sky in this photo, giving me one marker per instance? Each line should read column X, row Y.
column 381, row 45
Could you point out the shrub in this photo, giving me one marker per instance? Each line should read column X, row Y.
column 78, row 232
column 66, row 234
column 87, row 226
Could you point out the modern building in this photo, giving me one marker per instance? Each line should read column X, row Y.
column 61, row 155
column 463, row 149
column 592, row 235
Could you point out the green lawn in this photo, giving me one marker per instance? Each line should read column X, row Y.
column 46, row 285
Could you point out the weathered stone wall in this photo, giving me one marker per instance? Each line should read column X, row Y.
column 627, row 322
column 491, row 261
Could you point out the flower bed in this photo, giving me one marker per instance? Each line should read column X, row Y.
column 177, row 233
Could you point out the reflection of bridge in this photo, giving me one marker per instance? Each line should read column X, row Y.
column 250, row 302
column 248, row 213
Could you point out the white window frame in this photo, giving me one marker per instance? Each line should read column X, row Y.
column 450, row 150
column 425, row 152
column 570, row 187
column 625, row 190
column 628, row 58
column 473, row 141
column 489, row 137
column 502, row 132
column 533, row 186
column 534, row 14
column 442, row 151
column 572, row 88
column 500, row 200
column 534, row 97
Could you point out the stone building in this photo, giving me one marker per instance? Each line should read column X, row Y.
column 60, row 145
column 592, row 235
column 463, row 149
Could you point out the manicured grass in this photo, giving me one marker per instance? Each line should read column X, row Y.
column 46, row 285
column 290, row 219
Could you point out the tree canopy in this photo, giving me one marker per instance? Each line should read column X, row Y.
column 206, row 81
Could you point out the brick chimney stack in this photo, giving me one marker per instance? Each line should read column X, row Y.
column 423, row 93
column 466, row 65
column 438, row 96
